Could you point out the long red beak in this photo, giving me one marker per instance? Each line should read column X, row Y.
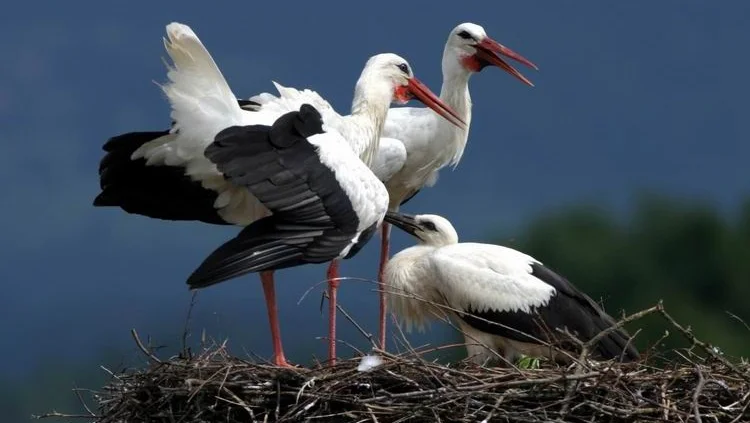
column 423, row 94
column 490, row 50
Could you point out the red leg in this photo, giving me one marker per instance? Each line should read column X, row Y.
column 384, row 246
column 269, row 292
column 333, row 286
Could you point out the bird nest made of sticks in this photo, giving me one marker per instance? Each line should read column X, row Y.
column 698, row 384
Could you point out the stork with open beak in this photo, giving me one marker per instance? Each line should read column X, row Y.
column 417, row 143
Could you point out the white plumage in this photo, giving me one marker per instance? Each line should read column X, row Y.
column 291, row 99
column 416, row 143
column 367, row 194
column 173, row 176
column 431, row 143
column 500, row 297
column 494, row 278
column 203, row 104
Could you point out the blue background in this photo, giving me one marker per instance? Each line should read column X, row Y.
column 630, row 96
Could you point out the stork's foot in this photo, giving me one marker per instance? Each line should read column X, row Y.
column 280, row 361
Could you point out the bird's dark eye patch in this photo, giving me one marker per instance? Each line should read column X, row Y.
column 404, row 68
column 465, row 35
column 429, row 226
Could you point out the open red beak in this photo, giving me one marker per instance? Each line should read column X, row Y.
column 490, row 50
column 423, row 94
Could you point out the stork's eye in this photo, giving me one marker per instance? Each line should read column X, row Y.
column 465, row 35
column 404, row 68
column 429, row 226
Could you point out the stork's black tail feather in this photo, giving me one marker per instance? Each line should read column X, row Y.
column 265, row 244
column 616, row 344
column 161, row 192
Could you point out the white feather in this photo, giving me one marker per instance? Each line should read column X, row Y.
column 487, row 277
column 390, row 158
column 430, row 141
column 367, row 194
column 290, row 99
column 462, row 276
column 361, row 135
column 202, row 105
column 369, row 362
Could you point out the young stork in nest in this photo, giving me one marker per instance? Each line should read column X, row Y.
column 501, row 298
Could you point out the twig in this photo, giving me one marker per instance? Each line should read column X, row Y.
column 707, row 348
column 737, row 318
column 83, row 403
column 591, row 342
column 238, row 402
column 696, row 395
column 186, row 329
column 364, row 333
column 143, row 348
column 61, row 415
column 317, row 284
column 619, row 324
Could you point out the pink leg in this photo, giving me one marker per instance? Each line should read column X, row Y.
column 333, row 286
column 269, row 292
column 384, row 246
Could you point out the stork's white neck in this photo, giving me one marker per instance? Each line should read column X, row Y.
column 455, row 90
column 455, row 93
column 369, row 110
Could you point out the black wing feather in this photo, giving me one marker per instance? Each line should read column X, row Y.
column 312, row 221
column 161, row 192
column 364, row 237
column 263, row 245
column 248, row 105
column 569, row 308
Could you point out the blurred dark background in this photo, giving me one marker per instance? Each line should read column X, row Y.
column 625, row 169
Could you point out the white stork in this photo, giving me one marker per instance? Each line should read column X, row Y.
column 416, row 143
column 501, row 298
column 325, row 203
column 166, row 175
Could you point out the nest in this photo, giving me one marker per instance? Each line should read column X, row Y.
column 697, row 384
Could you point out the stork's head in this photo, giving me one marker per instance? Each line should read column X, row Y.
column 392, row 75
column 429, row 229
column 470, row 45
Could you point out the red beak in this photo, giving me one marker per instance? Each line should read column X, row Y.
column 423, row 94
column 490, row 50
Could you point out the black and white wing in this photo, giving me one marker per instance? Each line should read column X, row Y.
column 516, row 297
column 324, row 200
column 165, row 174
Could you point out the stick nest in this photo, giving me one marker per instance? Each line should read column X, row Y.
column 697, row 384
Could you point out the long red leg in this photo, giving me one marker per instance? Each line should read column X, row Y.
column 333, row 286
column 384, row 246
column 269, row 292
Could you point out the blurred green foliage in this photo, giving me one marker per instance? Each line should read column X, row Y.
column 688, row 254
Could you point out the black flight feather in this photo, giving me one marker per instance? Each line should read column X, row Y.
column 313, row 220
column 157, row 191
column 568, row 308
